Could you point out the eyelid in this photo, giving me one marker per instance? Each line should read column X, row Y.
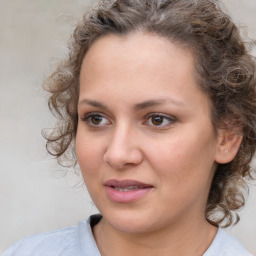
column 171, row 119
column 87, row 116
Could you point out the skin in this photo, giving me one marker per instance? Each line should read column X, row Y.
column 177, row 156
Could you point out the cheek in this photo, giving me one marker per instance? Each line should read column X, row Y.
column 184, row 158
column 89, row 153
column 184, row 171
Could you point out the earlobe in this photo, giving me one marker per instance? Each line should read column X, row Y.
column 228, row 144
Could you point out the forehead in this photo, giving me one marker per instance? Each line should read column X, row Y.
column 131, row 53
column 138, row 65
column 138, row 46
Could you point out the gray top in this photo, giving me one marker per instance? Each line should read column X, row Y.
column 79, row 241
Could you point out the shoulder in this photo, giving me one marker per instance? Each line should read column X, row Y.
column 226, row 245
column 49, row 243
column 73, row 241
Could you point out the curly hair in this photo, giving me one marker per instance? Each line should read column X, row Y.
column 225, row 71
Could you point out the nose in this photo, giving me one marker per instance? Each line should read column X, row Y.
column 123, row 149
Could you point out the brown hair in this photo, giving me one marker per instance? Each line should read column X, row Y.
column 225, row 69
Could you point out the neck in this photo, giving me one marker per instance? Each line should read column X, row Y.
column 192, row 237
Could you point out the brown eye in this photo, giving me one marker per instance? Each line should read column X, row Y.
column 160, row 121
column 96, row 119
column 157, row 120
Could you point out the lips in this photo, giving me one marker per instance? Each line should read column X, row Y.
column 125, row 191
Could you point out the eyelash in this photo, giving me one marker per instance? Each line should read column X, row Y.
column 168, row 118
column 88, row 119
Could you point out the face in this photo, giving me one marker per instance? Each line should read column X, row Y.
column 145, row 141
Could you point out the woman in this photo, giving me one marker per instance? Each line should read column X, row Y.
column 158, row 100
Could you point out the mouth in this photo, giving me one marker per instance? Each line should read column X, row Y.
column 126, row 190
column 126, row 185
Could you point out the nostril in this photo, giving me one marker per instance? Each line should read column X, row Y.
column 121, row 160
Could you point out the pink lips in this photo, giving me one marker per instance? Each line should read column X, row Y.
column 126, row 191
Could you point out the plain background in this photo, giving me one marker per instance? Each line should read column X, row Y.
column 34, row 194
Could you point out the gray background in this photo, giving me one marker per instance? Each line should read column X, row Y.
column 34, row 194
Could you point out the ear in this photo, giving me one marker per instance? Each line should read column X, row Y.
column 228, row 144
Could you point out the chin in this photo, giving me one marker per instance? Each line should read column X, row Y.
column 130, row 225
column 130, row 221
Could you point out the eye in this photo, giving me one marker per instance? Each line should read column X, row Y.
column 95, row 119
column 159, row 120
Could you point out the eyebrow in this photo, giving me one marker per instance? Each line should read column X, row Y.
column 156, row 102
column 139, row 106
column 93, row 103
